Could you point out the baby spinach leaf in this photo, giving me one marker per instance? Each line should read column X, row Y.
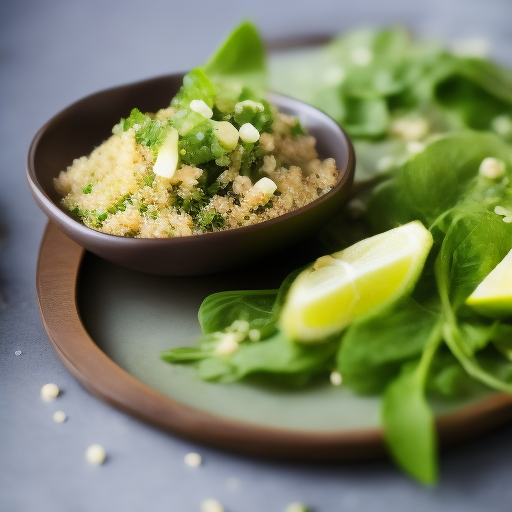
column 435, row 180
column 216, row 369
column 448, row 379
column 475, row 367
column 374, row 349
column 365, row 117
column 184, row 355
column 219, row 310
column 278, row 354
column 240, row 60
column 408, row 419
column 371, row 60
column 476, row 241
column 503, row 339
column 476, row 91
column 409, row 426
column 474, row 244
column 275, row 355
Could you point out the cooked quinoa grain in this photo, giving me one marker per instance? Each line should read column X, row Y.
column 182, row 171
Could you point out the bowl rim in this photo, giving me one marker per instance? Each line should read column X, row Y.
column 51, row 209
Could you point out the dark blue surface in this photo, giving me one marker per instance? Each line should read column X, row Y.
column 52, row 53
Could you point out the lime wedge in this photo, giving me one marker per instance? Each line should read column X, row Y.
column 493, row 296
column 328, row 296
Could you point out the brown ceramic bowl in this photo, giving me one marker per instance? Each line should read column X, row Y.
column 78, row 129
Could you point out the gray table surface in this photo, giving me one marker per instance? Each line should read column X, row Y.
column 54, row 52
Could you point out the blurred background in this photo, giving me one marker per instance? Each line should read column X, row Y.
column 55, row 52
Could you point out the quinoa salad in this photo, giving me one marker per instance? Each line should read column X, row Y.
column 217, row 158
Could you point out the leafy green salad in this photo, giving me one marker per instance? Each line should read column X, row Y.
column 433, row 138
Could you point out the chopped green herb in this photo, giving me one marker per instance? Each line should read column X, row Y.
column 152, row 134
column 120, row 206
column 149, row 179
column 297, row 129
column 210, row 220
column 136, row 117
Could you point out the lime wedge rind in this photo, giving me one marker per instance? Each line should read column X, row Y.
column 493, row 296
column 373, row 273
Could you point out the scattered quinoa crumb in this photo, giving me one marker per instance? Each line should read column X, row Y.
column 211, row 505
column 193, row 459
column 96, row 454
column 296, row 507
column 59, row 417
column 49, row 392
column 17, row 353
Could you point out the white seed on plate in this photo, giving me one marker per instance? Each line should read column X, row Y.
column 201, row 108
column 248, row 133
column 228, row 344
column 193, row 460
column 492, row 168
column 49, row 392
column 95, row 454
column 17, row 353
column 336, row 378
column 59, row 417
column 211, row 505
column 296, row 507
column 254, row 335
column 239, row 326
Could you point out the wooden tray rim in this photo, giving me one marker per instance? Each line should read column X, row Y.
column 57, row 277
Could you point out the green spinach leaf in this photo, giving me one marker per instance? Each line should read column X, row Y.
column 240, row 60
column 374, row 349
column 219, row 310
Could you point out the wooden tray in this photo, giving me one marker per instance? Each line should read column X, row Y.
column 108, row 324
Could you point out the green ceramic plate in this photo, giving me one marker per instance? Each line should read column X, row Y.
column 133, row 316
